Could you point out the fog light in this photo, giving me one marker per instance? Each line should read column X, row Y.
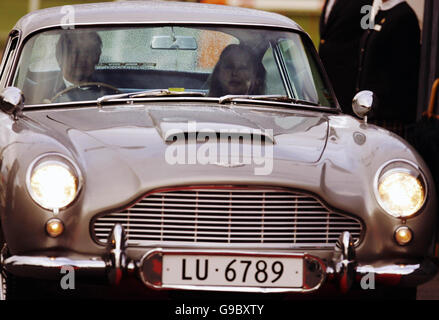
column 403, row 235
column 54, row 227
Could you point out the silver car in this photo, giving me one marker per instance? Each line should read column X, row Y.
column 192, row 147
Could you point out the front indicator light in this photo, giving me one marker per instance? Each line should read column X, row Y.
column 54, row 227
column 403, row 236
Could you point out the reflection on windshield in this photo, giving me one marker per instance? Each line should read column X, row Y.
column 86, row 64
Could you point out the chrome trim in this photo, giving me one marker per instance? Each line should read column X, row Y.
column 393, row 269
column 14, row 58
column 116, row 248
column 303, row 256
column 3, row 292
column 131, row 103
column 3, row 288
column 363, row 103
column 210, row 219
column 69, row 162
column 345, row 261
column 378, row 175
column 13, row 262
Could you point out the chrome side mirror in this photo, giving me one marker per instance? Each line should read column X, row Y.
column 363, row 103
column 11, row 101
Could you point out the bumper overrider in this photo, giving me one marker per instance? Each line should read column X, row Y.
column 344, row 270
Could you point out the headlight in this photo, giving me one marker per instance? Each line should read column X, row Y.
column 401, row 189
column 53, row 181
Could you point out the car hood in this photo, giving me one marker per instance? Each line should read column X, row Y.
column 294, row 135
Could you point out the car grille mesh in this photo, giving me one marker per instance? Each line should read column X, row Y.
column 218, row 216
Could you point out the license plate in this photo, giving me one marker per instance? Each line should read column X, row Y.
column 237, row 271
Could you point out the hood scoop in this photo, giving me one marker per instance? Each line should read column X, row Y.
column 221, row 132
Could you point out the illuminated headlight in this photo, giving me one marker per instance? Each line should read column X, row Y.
column 53, row 181
column 400, row 189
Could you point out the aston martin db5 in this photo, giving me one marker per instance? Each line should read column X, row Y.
column 191, row 148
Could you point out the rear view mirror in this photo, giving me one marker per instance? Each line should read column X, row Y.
column 174, row 43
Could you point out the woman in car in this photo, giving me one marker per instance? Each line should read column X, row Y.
column 238, row 72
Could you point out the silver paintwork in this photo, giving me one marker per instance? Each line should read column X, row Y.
column 151, row 12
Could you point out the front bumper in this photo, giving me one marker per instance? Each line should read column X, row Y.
column 343, row 270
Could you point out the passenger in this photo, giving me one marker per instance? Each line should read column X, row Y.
column 238, row 72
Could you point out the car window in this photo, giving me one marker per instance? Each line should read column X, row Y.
column 7, row 58
column 85, row 64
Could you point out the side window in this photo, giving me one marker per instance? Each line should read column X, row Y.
column 298, row 69
column 274, row 83
column 7, row 59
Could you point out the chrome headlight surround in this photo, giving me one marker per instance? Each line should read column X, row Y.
column 390, row 176
column 63, row 165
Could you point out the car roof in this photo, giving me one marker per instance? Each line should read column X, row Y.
column 137, row 12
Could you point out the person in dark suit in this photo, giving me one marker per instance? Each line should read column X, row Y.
column 389, row 64
column 340, row 33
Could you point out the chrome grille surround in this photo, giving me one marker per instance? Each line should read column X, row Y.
column 229, row 216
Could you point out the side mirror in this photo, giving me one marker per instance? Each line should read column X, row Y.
column 11, row 101
column 363, row 103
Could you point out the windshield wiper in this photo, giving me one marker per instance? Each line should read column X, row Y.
column 149, row 93
column 276, row 98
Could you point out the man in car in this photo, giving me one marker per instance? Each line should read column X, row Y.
column 77, row 54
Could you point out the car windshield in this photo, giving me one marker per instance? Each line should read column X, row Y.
column 85, row 64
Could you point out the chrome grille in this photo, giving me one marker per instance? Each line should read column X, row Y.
column 276, row 218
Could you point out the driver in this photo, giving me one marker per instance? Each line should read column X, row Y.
column 78, row 54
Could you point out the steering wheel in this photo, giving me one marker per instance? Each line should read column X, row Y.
column 101, row 86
